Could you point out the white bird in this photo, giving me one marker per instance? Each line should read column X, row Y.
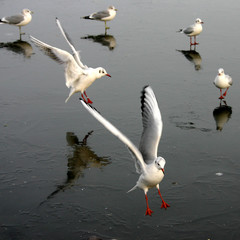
column 222, row 81
column 106, row 15
column 78, row 76
column 193, row 30
column 19, row 20
column 147, row 163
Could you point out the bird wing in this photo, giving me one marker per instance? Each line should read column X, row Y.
column 189, row 29
column 76, row 54
column 152, row 125
column 134, row 150
column 72, row 70
column 16, row 19
column 100, row 15
column 230, row 81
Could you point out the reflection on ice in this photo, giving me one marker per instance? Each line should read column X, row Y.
column 222, row 114
column 104, row 39
column 19, row 47
column 80, row 158
column 193, row 56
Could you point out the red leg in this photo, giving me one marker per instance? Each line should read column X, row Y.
column 191, row 41
column 221, row 97
column 88, row 99
column 225, row 92
column 148, row 211
column 164, row 204
column 83, row 98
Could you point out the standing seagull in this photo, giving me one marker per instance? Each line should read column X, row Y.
column 19, row 20
column 78, row 76
column 222, row 81
column 193, row 30
column 147, row 163
column 106, row 15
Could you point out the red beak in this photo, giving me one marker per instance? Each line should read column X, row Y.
column 163, row 170
column 108, row 75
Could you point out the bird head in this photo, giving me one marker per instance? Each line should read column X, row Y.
column 220, row 71
column 198, row 20
column 102, row 72
column 160, row 163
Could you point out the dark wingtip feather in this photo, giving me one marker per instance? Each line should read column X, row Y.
column 143, row 97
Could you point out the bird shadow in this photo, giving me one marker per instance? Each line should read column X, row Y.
column 222, row 114
column 18, row 47
column 103, row 39
column 80, row 158
column 193, row 56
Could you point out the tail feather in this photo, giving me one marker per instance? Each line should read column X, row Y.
column 132, row 189
column 180, row 30
column 86, row 17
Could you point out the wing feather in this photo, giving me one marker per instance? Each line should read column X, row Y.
column 134, row 150
column 72, row 70
column 152, row 125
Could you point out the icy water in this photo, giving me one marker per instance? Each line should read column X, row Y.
column 64, row 176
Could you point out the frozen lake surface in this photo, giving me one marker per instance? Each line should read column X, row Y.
column 54, row 185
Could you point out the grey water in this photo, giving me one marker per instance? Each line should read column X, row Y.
column 64, row 176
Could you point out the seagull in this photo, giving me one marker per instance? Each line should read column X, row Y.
column 19, row 20
column 222, row 81
column 147, row 163
column 78, row 76
column 193, row 30
column 106, row 15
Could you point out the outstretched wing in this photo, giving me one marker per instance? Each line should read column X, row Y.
column 134, row 150
column 152, row 125
column 72, row 70
column 67, row 38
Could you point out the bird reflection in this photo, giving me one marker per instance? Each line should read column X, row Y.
column 193, row 56
column 80, row 158
column 19, row 47
column 222, row 114
column 104, row 39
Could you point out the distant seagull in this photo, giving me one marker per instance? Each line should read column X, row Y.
column 19, row 20
column 193, row 30
column 147, row 163
column 106, row 15
column 222, row 81
column 78, row 76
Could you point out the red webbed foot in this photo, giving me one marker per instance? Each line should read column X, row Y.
column 148, row 212
column 89, row 101
column 221, row 97
column 165, row 205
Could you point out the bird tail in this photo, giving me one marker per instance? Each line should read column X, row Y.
column 86, row 17
column 132, row 189
column 180, row 30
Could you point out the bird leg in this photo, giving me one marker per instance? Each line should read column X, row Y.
column 88, row 99
column 225, row 92
column 148, row 211
column 106, row 27
column 191, row 41
column 164, row 204
column 221, row 97
column 195, row 40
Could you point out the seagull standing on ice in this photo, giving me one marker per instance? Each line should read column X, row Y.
column 106, row 15
column 147, row 163
column 193, row 30
column 222, row 81
column 19, row 20
column 78, row 76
